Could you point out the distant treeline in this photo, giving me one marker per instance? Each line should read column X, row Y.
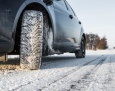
column 94, row 42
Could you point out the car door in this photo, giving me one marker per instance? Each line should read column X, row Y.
column 76, row 24
column 66, row 21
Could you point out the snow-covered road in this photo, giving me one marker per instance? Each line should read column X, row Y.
column 64, row 72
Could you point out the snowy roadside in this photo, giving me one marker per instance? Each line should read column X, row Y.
column 64, row 72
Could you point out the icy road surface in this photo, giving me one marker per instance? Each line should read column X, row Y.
column 64, row 72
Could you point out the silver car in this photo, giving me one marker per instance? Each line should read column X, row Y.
column 36, row 28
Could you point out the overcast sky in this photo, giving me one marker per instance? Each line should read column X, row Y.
column 97, row 16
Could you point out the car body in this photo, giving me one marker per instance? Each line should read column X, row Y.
column 67, row 29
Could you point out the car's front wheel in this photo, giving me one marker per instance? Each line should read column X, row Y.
column 31, row 39
column 81, row 52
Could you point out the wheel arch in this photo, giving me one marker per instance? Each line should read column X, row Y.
column 28, row 5
column 83, row 34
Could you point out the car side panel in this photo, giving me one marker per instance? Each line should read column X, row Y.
column 8, row 11
column 68, row 30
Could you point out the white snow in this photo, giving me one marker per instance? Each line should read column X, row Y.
column 64, row 72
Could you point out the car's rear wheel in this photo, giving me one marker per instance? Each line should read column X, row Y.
column 81, row 52
column 31, row 39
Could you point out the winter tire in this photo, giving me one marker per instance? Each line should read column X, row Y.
column 81, row 52
column 31, row 40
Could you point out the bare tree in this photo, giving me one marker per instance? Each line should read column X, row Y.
column 94, row 42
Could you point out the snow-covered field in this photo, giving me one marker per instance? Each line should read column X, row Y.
column 64, row 72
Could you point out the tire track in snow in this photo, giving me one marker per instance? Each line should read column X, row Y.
column 70, row 72
column 104, row 80
column 73, row 86
column 59, row 78
column 86, row 79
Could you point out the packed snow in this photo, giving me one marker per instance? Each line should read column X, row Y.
column 95, row 72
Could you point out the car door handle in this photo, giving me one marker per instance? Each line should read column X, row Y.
column 79, row 22
column 71, row 16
